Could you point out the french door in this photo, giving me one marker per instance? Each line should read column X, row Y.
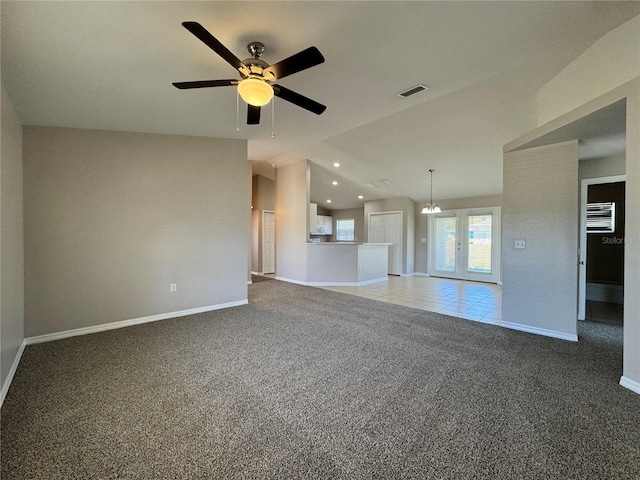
column 465, row 244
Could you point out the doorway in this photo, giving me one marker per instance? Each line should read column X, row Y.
column 465, row 244
column 387, row 228
column 602, row 234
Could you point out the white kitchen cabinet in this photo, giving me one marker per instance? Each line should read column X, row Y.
column 325, row 225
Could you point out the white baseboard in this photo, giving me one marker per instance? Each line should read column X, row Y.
column 630, row 384
column 421, row 274
column 127, row 323
column 540, row 331
column 12, row 372
column 333, row 284
column 408, row 274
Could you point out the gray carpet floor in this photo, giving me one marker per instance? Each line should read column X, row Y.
column 308, row 383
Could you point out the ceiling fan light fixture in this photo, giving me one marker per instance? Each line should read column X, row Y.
column 255, row 92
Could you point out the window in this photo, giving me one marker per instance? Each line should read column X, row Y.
column 601, row 217
column 345, row 230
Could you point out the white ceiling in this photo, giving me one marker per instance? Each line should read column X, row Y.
column 109, row 65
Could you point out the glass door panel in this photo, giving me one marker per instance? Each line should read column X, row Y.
column 479, row 243
column 446, row 244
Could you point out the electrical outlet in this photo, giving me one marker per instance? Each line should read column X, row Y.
column 519, row 244
column 173, row 287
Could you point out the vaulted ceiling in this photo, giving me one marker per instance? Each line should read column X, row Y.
column 109, row 65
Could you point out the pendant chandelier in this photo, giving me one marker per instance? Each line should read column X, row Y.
column 431, row 207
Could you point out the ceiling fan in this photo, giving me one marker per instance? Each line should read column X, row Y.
column 256, row 85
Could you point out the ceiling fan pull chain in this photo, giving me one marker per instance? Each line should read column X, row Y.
column 273, row 116
column 237, row 112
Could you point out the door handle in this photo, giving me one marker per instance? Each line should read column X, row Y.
column 581, row 262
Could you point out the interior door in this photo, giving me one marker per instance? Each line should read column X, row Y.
column 268, row 242
column 465, row 244
column 387, row 228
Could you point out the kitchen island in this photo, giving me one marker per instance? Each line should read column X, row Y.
column 346, row 263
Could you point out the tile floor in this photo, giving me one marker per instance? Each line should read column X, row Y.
column 477, row 301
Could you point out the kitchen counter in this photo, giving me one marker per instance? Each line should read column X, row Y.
column 346, row 263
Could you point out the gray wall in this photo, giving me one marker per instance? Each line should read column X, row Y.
column 262, row 198
column 602, row 167
column 422, row 234
column 408, row 207
column 113, row 218
column 292, row 222
column 11, row 239
column 540, row 205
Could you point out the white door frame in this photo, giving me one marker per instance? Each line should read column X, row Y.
column 582, row 245
column 262, row 246
column 463, row 250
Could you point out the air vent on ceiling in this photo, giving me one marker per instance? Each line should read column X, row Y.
column 388, row 182
column 413, row 91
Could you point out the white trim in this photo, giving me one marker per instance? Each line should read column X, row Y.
column 421, row 274
column 333, row 284
column 12, row 372
column 540, row 331
column 408, row 274
column 632, row 385
column 127, row 323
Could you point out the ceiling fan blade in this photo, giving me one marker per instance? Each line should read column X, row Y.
column 253, row 115
column 214, row 44
column 205, row 84
column 296, row 63
column 299, row 100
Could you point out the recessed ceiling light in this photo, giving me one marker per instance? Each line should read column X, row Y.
column 328, row 201
column 336, row 164
column 334, row 183
column 360, row 197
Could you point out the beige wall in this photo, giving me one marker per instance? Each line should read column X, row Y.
column 292, row 222
column 113, row 218
column 540, row 205
column 610, row 62
column 11, row 241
